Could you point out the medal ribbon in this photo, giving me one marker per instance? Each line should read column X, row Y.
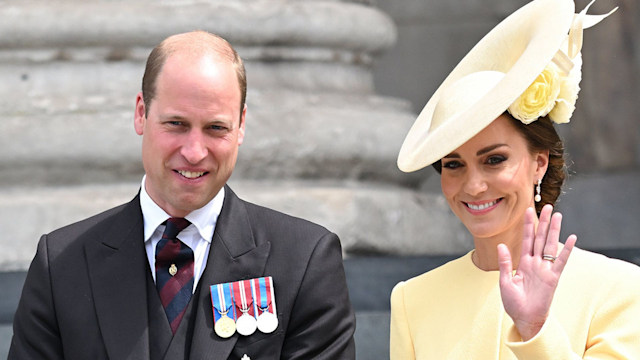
column 240, row 290
column 272, row 303
column 256, row 301
column 221, row 295
column 262, row 296
column 265, row 294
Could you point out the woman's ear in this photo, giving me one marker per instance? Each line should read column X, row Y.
column 542, row 163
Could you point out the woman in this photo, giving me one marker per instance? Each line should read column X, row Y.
column 488, row 130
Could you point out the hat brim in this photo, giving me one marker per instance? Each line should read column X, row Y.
column 520, row 46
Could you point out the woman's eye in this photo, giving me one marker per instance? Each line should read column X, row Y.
column 495, row 159
column 451, row 164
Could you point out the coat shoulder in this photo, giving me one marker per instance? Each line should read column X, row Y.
column 278, row 221
column 81, row 231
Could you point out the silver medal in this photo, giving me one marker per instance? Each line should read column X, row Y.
column 246, row 324
column 267, row 322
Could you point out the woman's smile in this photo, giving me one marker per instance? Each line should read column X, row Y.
column 482, row 207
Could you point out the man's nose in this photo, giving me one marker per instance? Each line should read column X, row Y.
column 194, row 149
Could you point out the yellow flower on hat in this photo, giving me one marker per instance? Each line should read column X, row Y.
column 566, row 102
column 539, row 98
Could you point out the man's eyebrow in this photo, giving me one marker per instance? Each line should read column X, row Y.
column 171, row 117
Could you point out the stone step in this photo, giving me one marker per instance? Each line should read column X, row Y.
column 6, row 331
column 369, row 218
column 322, row 24
column 289, row 135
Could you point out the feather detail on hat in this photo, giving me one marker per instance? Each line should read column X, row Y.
column 555, row 90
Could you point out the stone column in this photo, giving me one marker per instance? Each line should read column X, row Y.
column 320, row 143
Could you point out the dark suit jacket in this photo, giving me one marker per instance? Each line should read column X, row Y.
column 85, row 294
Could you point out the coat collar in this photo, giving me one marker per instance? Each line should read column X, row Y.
column 235, row 255
column 117, row 267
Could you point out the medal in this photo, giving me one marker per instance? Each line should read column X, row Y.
column 225, row 327
column 246, row 324
column 243, row 298
column 267, row 320
column 223, row 314
column 244, row 306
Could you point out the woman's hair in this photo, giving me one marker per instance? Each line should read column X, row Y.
column 541, row 135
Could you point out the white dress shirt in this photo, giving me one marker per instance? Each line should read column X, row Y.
column 197, row 236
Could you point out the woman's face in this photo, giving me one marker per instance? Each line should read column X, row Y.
column 489, row 180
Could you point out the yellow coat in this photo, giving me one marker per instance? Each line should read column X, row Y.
column 455, row 312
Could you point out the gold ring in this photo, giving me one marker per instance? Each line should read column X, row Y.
column 549, row 258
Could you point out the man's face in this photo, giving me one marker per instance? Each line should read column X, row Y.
column 191, row 133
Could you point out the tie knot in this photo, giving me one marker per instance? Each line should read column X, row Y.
column 174, row 226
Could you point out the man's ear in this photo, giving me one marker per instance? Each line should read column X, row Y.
column 139, row 116
column 241, row 129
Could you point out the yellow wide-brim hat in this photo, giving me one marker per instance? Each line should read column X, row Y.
column 493, row 75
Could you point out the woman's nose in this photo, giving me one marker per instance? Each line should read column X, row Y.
column 475, row 183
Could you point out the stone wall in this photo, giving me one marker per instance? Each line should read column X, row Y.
column 320, row 142
column 333, row 88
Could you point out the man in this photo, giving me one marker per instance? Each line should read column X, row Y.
column 97, row 289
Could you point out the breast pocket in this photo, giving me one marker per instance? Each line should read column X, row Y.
column 259, row 346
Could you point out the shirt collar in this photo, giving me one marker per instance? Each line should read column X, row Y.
column 204, row 219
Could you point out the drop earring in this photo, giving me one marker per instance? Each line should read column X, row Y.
column 538, row 197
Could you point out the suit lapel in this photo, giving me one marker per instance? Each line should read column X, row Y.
column 160, row 335
column 234, row 255
column 118, row 271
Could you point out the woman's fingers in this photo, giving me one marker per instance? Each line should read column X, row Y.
column 504, row 263
column 562, row 259
column 542, row 231
column 529, row 233
column 553, row 235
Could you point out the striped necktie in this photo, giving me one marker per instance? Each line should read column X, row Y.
column 174, row 271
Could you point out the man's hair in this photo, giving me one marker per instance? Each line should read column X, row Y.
column 195, row 43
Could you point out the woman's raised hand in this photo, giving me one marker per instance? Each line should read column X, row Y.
column 527, row 294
